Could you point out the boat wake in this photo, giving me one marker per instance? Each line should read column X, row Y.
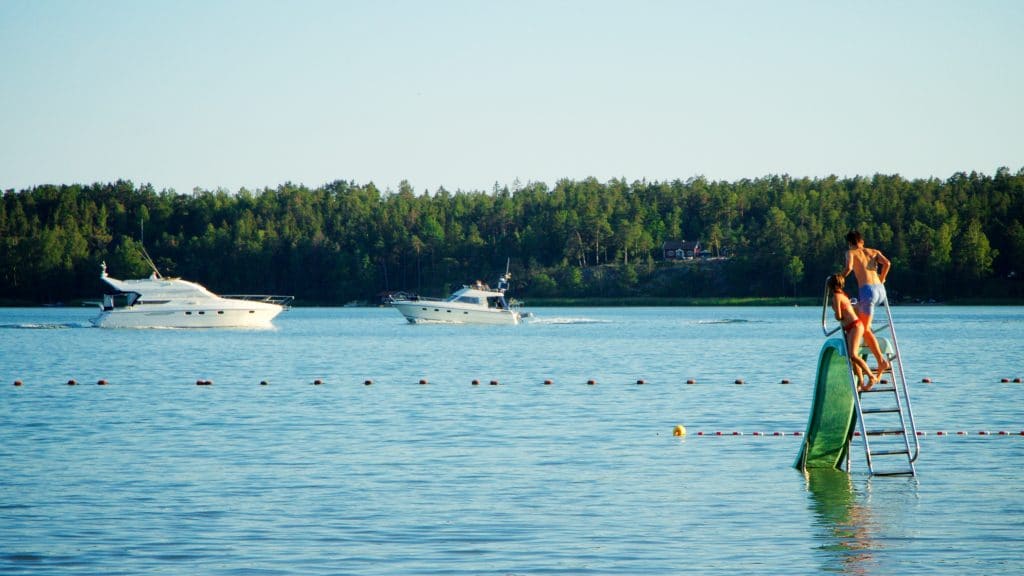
column 46, row 326
column 556, row 320
column 726, row 321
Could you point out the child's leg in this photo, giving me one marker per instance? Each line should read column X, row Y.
column 855, row 337
column 876, row 350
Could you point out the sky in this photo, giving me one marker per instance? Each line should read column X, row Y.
column 226, row 94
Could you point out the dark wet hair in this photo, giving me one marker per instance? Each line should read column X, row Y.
column 853, row 238
column 836, row 282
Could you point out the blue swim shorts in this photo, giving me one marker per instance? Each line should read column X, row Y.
column 869, row 296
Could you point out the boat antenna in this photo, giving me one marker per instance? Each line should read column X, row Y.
column 145, row 255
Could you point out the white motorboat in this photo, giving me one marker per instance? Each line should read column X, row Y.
column 474, row 304
column 158, row 302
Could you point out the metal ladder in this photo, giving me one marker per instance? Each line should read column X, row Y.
column 892, row 441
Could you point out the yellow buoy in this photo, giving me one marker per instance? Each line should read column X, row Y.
column 679, row 430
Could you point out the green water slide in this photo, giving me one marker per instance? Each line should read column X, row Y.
column 833, row 414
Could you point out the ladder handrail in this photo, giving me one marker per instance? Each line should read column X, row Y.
column 903, row 383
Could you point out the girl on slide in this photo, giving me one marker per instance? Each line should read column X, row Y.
column 854, row 329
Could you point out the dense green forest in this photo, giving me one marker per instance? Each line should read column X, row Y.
column 771, row 236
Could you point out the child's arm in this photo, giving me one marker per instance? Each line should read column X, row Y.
column 883, row 265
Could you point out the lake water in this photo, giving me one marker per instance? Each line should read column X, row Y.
column 154, row 474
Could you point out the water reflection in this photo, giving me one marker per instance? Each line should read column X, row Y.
column 847, row 522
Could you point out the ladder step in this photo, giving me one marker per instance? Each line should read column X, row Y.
column 889, row 452
column 909, row 472
column 878, row 389
column 879, row 410
column 887, row 432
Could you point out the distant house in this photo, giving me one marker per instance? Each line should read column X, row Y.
column 680, row 250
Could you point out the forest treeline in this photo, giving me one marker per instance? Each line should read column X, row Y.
column 771, row 236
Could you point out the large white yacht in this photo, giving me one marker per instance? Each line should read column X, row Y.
column 474, row 304
column 158, row 302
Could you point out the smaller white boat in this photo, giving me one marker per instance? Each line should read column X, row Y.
column 474, row 304
column 158, row 302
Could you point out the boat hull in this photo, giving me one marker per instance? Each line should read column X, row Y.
column 450, row 312
column 258, row 315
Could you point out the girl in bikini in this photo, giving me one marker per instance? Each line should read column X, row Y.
column 853, row 329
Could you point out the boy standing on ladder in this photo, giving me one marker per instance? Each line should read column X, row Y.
column 870, row 267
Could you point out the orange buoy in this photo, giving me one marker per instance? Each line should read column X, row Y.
column 679, row 430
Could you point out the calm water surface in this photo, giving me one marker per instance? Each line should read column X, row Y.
column 153, row 474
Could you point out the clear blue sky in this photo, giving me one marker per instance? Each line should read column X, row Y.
column 463, row 94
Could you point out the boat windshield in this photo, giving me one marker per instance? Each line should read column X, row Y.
column 120, row 300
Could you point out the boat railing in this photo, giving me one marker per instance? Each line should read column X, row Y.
column 284, row 301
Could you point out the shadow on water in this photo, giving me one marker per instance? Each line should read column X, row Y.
column 849, row 532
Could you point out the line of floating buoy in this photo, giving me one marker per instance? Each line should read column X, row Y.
column 546, row 382
column 856, row 433
column 476, row 382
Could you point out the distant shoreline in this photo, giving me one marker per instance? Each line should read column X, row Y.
column 633, row 302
